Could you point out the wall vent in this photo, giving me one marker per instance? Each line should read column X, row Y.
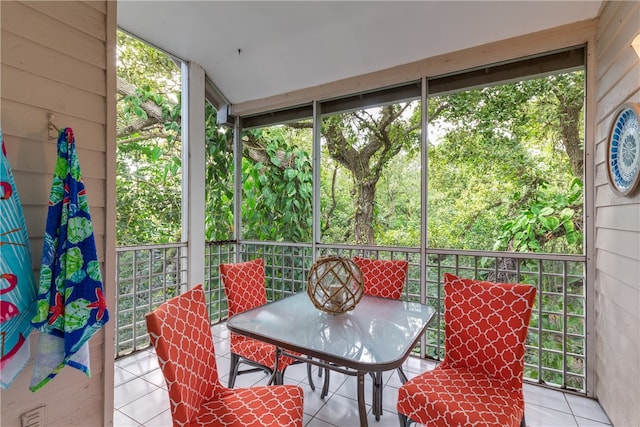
column 33, row 418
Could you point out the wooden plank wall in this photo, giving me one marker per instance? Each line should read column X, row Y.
column 617, row 243
column 55, row 60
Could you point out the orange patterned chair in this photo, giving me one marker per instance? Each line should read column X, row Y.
column 180, row 332
column 244, row 286
column 479, row 382
column 383, row 278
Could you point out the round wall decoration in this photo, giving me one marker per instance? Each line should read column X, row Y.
column 623, row 149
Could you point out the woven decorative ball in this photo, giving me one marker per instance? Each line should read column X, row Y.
column 335, row 285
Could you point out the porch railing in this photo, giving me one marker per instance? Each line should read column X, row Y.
column 146, row 277
column 556, row 344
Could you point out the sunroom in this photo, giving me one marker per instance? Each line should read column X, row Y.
column 592, row 315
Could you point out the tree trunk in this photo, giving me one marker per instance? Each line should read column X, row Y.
column 569, row 108
column 365, row 197
column 366, row 159
column 569, row 121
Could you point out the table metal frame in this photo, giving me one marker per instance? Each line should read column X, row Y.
column 377, row 336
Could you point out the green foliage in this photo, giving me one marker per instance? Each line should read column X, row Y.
column 219, row 196
column 277, row 193
column 361, row 150
column 504, row 172
column 397, row 213
column 145, row 66
column 148, row 158
column 276, row 203
column 500, row 167
column 550, row 223
column 148, row 195
column 494, row 156
column 337, row 209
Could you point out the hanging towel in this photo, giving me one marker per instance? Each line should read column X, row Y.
column 71, row 302
column 17, row 283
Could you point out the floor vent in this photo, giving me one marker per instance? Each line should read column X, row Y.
column 33, row 418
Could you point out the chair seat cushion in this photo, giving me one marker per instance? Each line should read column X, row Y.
column 452, row 397
column 257, row 351
column 259, row 406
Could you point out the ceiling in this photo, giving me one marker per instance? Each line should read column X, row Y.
column 256, row 49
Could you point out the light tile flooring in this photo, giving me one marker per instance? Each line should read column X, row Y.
column 141, row 397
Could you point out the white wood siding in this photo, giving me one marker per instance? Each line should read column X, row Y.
column 57, row 57
column 617, row 242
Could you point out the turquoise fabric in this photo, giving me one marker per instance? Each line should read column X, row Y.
column 17, row 282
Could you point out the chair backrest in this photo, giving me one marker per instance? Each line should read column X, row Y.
column 244, row 285
column 486, row 326
column 383, row 278
column 180, row 332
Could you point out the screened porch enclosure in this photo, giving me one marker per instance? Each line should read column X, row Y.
column 557, row 344
column 555, row 356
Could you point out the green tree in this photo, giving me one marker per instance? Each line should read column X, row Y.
column 364, row 142
column 148, row 155
column 276, row 173
column 501, row 154
column 219, row 197
column 503, row 151
column 277, row 190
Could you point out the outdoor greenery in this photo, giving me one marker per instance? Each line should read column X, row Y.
column 504, row 167
column 148, row 155
column 504, row 173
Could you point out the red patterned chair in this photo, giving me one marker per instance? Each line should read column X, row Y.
column 479, row 382
column 180, row 332
column 244, row 286
column 383, row 278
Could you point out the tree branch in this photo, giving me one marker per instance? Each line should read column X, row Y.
column 153, row 110
column 136, row 126
column 149, row 136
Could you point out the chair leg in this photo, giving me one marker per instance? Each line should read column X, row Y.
column 523, row 423
column 233, row 369
column 402, row 375
column 404, row 420
column 279, row 377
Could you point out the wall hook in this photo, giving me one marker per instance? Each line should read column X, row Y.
column 53, row 129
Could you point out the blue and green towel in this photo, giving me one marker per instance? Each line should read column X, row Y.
column 71, row 305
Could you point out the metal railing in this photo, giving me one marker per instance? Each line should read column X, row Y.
column 146, row 277
column 556, row 344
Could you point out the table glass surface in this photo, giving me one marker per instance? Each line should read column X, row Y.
column 377, row 335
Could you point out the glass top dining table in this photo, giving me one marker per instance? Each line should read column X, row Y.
column 377, row 336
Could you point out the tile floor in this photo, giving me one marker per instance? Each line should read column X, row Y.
column 141, row 397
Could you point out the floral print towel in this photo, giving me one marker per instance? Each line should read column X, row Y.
column 71, row 302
